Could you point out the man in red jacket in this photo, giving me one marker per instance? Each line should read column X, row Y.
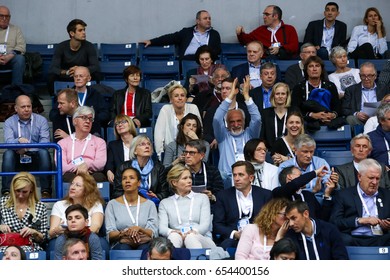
column 280, row 40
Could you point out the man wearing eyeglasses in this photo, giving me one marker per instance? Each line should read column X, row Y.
column 26, row 127
column 70, row 54
column 367, row 91
column 83, row 152
column 280, row 40
column 12, row 47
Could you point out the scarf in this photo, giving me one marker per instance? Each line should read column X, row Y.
column 145, row 172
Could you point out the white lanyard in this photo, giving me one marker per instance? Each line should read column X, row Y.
column 388, row 150
column 68, row 124
column 239, row 208
column 276, row 124
column 300, row 193
column 214, row 92
column 85, row 145
column 31, row 128
column 132, row 104
column 273, row 33
column 311, row 166
column 307, row 89
column 288, row 147
column 235, row 146
column 137, row 211
column 6, row 36
column 178, row 213
column 198, row 39
column 365, row 205
column 314, row 244
column 81, row 103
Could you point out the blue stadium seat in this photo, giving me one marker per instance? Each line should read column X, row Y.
column 121, row 52
column 357, row 129
column 113, row 70
column 187, row 65
column 283, row 66
column 166, row 53
column 335, row 157
column 200, row 254
column 60, row 85
column 156, row 107
column 152, row 84
column 160, row 69
column 231, row 63
column 148, row 131
column 104, row 188
column 45, row 50
column 333, row 139
column 117, row 85
column 232, row 51
column 39, row 255
column 125, row 254
column 110, row 134
column 379, row 63
column 368, row 253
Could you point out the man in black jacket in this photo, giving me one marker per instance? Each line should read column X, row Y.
column 189, row 39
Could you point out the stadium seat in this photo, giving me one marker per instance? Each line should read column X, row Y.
column 121, row 52
column 187, row 65
column 156, row 107
column 125, row 254
column 230, row 63
column 283, row 66
column 368, row 253
column 166, row 53
column 46, row 51
column 113, row 70
column 60, row 85
column 110, row 134
column 232, row 51
column 148, row 131
column 335, row 157
column 379, row 63
column 117, row 85
column 160, row 69
column 333, row 139
column 200, row 254
column 357, row 129
column 152, row 84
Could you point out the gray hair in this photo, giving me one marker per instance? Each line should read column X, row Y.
column 161, row 245
column 197, row 144
column 304, row 140
column 83, row 110
column 69, row 243
column 336, row 51
column 306, row 45
column 367, row 64
column 136, row 141
column 267, row 65
column 362, row 136
column 368, row 163
column 382, row 111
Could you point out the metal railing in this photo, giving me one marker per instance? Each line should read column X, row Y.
column 57, row 173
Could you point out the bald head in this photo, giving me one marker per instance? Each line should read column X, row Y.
column 23, row 107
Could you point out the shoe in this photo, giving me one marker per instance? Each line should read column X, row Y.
column 46, row 195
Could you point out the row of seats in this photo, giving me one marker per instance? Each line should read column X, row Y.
column 354, row 253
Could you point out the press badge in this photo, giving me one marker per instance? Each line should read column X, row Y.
column 3, row 49
column 78, row 161
column 242, row 223
column 24, row 159
column 376, row 230
column 186, row 229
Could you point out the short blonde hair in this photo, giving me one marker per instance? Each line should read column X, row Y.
column 175, row 173
column 132, row 129
column 173, row 88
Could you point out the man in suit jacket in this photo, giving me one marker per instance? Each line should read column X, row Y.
column 365, row 91
column 361, row 212
column 236, row 207
column 189, row 39
column 254, row 52
column 326, row 33
column 361, row 147
column 261, row 95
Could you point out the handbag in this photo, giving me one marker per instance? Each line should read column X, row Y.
column 14, row 238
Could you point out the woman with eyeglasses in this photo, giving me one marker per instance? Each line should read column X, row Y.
column 266, row 174
column 118, row 151
column 23, row 215
column 368, row 41
column 133, row 101
column 83, row 190
column 269, row 226
column 343, row 76
column 189, row 128
column 184, row 218
column 153, row 176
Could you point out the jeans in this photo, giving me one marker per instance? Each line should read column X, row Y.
column 40, row 162
column 17, row 64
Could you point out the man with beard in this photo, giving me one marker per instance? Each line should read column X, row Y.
column 232, row 137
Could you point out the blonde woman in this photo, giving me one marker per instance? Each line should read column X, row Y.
column 22, row 212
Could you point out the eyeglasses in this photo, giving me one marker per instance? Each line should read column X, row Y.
column 191, row 153
column 86, row 118
column 260, row 149
column 120, row 122
column 4, row 17
column 267, row 14
column 144, row 144
column 367, row 77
